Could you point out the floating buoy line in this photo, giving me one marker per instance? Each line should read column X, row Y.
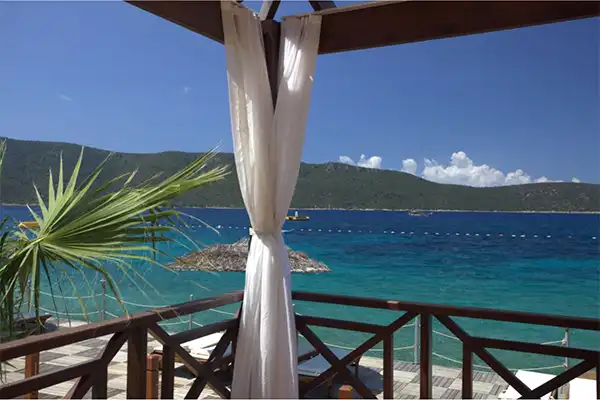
column 401, row 233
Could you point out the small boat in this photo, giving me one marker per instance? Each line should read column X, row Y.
column 418, row 213
column 297, row 217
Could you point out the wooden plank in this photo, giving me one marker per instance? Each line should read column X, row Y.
column 337, row 365
column 386, row 23
column 137, row 345
column 561, row 379
column 485, row 356
column 340, row 324
column 32, row 368
column 388, row 367
column 592, row 324
column 425, row 366
column 268, row 9
column 167, row 383
column 525, row 347
column 358, row 352
column 467, row 372
column 44, row 380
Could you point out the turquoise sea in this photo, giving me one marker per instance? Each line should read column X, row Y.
column 545, row 263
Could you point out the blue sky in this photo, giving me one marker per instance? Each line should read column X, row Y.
column 112, row 76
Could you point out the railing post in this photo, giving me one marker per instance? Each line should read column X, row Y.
column 32, row 368
column 388, row 367
column 167, row 382
column 416, row 340
column 103, row 300
column 425, row 368
column 345, row 392
column 467, row 372
column 565, row 389
column 100, row 388
column 137, row 345
column 191, row 316
column 152, row 376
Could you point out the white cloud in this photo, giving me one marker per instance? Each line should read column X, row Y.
column 463, row 171
column 575, row 180
column 371, row 162
column 186, row 89
column 64, row 97
column 409, row 166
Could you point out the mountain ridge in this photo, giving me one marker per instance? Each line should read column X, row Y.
column 328, row 185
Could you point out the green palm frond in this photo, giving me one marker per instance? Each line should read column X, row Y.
column 91, row 225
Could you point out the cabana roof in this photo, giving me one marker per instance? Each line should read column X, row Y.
column 383, row 23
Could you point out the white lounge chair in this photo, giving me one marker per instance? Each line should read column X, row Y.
column 583, row 389
column 313, row 367
column 200, row 348
column 532, row 380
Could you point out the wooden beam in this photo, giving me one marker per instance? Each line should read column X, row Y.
column 268, row 9
column 203, row 17
column 321, row 5
column 386, row 23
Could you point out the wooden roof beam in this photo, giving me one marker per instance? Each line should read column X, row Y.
column 321, row 5
column 203, row 17
column 384, row 23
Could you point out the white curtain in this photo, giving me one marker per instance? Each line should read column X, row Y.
column 268, row 147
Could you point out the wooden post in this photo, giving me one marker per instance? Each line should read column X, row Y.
column 137, row 344
column 100, row 387
column 388, row 367
column 32, row 368
column 346, row 392
column 271, row 35
column 467, row 372
column 167, row 383
column 152, row 363
column 425, row 357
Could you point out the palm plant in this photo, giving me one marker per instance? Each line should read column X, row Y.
column 88, row 226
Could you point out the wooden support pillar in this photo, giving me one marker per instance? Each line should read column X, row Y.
column 388, row 367
column 167, row 383
column 100, row 387
column 271, row 37
column 152, row 364
column 467, row 372
column 32, row 368
column 137, row 344
column 425, row 382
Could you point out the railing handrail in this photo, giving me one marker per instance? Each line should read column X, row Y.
column 563, row 321
column 31, row 344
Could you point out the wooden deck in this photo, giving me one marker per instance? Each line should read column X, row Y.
column 446, row 381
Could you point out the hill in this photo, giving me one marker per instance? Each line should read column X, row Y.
column 319, row 185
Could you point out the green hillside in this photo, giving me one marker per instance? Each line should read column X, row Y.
column 320, row 185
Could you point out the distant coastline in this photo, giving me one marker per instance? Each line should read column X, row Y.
column 371, row 209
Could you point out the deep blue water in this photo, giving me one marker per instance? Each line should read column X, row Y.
column 546, row 263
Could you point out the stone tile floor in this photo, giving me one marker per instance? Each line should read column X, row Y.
column 446, row 381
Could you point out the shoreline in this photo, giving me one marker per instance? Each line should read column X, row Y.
column 372, row 209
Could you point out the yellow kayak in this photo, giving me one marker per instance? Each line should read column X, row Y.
column 297, row 218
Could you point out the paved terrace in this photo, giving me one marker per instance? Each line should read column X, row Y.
column 446, row 381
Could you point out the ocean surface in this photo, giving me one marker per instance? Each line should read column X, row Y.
column 544, row 263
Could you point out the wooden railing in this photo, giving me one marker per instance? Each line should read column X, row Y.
column 134, row 330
